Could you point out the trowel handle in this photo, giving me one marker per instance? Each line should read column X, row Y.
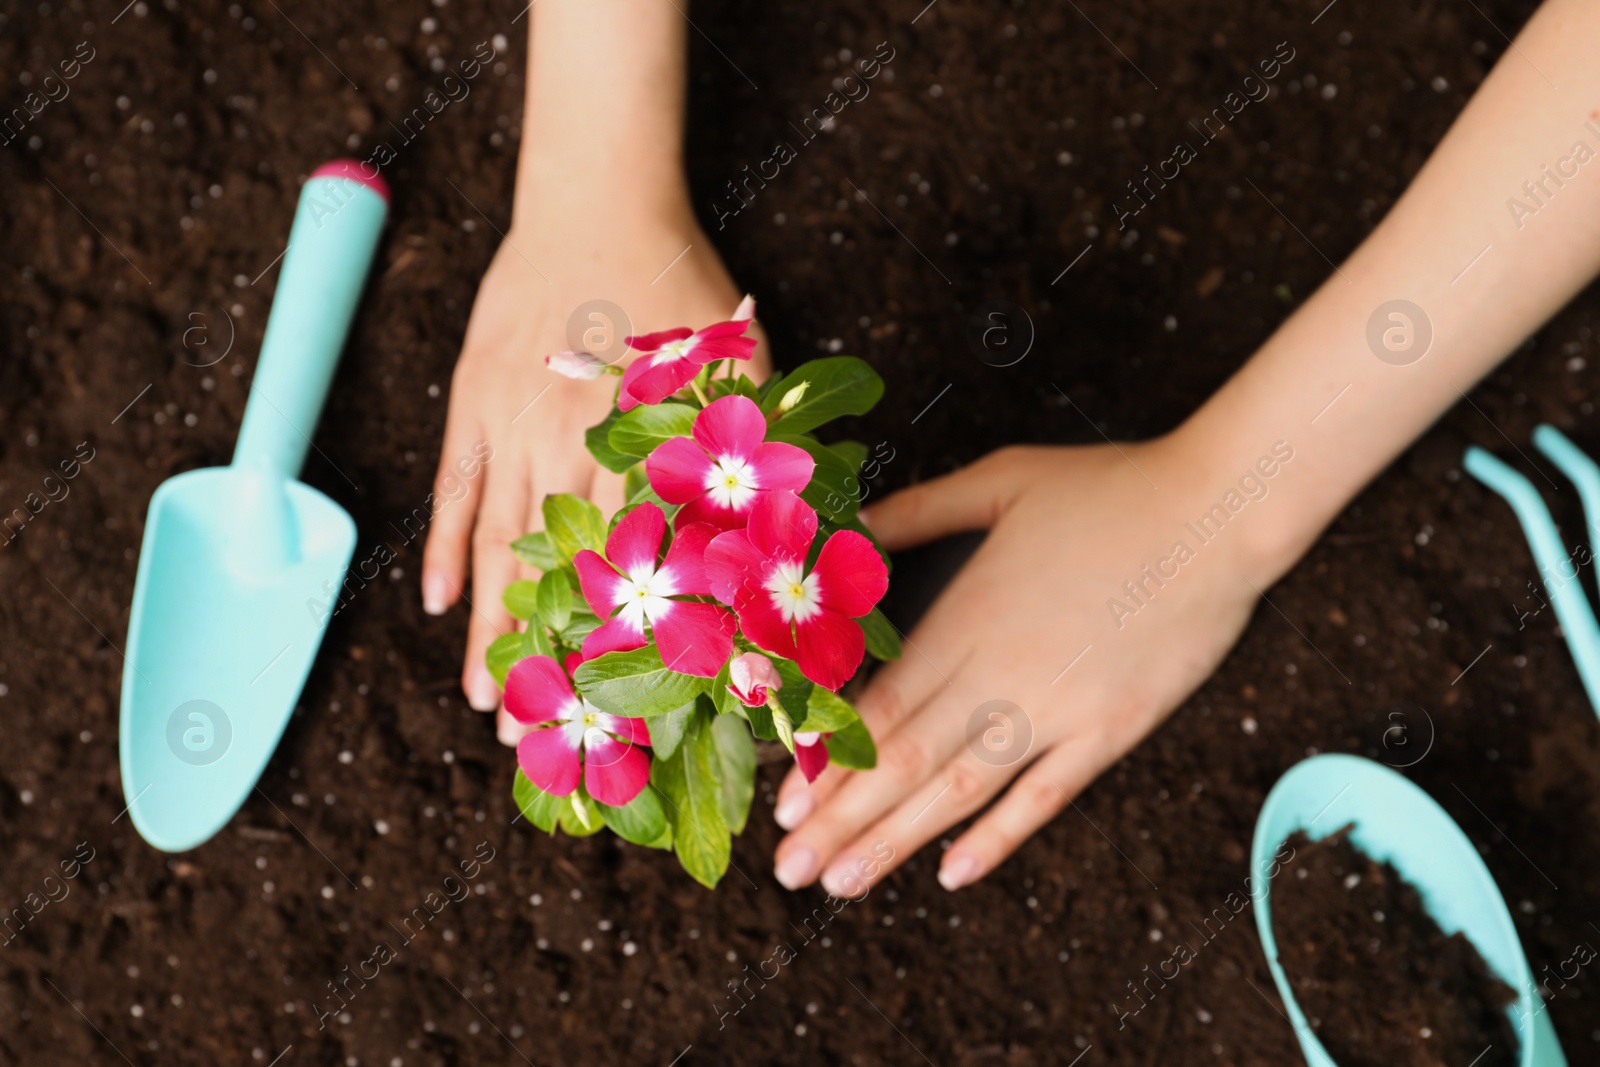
column 331, row 245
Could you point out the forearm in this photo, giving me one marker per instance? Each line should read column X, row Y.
column 603, row 115
column 1317, row 384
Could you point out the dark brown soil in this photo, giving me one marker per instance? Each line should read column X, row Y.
column 1379, row 982
column 164, row 184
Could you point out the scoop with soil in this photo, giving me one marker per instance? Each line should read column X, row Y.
column 1391, row 943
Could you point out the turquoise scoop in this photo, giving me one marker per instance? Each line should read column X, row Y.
column 240, row 564
column 1398, row 823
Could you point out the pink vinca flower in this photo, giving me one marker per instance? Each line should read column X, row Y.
column 629, row 589
column 810, row 754
column 719, row 473
column 572, row 738
column 760, row 571
column 670, row 358
column 752, row 677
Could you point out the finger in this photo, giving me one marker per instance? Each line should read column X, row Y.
column 500, row 519
column 963, row 786
column 1036, row 798
column 969, row 499
column 907, row 758
column 572, row 479
column 457, row 489
column 895, row 691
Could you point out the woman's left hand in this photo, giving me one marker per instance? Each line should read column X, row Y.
column 1022, row 667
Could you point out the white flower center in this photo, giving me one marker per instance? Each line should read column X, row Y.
column 582, row 724
column 731, row 483
column 676, row 350
column 644, row 596
column 794, row 593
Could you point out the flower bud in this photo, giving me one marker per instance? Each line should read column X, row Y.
column 751, row 676
column 584, row 366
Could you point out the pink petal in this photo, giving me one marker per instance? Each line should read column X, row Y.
column 650, row 342
column 830, row 648
column 706, row 511
column 634, row 731
column 657, row 381
column 782, row 526
column 630, row 374
column 851, row 576
column 694, row 638
column 550, row 760
column 779, row 465
column 678, row 469
column 685, row 565
column 601, row 584
column 537, row 690
column 711, row 350
column 615, row 636
column 615, row 772
column 812, row 759
column 573, row 661
column 761, row 621
column 636, row 542
column 734, row 565
column 732, row 426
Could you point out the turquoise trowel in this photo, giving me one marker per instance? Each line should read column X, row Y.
column 240, row 564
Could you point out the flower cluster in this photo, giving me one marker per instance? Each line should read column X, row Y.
column 725, row 604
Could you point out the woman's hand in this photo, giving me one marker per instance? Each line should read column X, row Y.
column 1028, row 621
column 572, row 246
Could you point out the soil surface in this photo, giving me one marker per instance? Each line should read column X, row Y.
column 1379, row 982
column 142, row 216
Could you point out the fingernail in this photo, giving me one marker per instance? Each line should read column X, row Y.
column 865, row 517
column 792, row 810
column 845, row 878
column 482, row 693
column 435, row 593
column 797, row 868
column 957, row 872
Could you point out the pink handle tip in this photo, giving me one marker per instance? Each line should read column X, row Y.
column 356, row 172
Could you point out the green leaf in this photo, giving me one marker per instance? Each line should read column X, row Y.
column 534, row 550
column 828, row 712
column 573, row 525
column 769, row 387
column 555, row 600
column 505, row 652
column 796, row 692
column 636, row 482
column 834, row 490
column 536, row 641
column 835, row 386
column 638, row 432
column 854, row 453
column 582, row 625
column 744, row 387
column 537, row 806
column 521, row 598
column 852, row 747
column 642, row 820
column 722, row 697
column 598, row 438
column 883, row 641
column 636, row 684
column 579, row 815
column 689, row 785
column 736, row 769
column 666, row 731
